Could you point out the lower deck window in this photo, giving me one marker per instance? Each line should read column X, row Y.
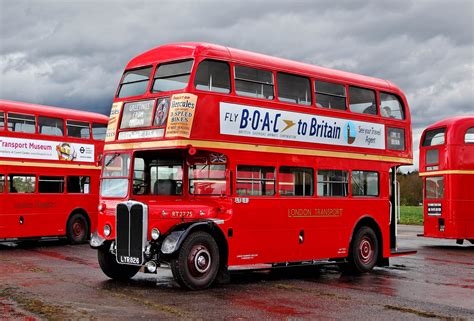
column 332, row 183
column 255, row 180
column 365, row 183
column 78, row 184
column 21, row 183
column 434, row 187
column 295, row 181
column 2, row 183
column 207, row 179
column 51, row 184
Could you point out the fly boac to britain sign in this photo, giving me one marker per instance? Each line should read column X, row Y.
column 258, row 122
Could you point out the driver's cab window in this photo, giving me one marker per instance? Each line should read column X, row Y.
column 166, row 179
column 139, row 178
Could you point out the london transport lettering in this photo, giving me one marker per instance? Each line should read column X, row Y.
column 250, row 121
column 314, row 212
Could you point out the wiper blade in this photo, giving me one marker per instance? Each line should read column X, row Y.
column 112, row 159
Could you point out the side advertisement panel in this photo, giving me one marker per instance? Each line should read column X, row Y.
column 46, row 150
column 241, row 120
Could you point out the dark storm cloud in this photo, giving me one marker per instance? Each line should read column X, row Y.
column 72, row 53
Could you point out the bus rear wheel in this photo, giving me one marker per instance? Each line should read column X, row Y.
column 77, row 228
column 364, row 251
column 111, row 268
column 196, row 265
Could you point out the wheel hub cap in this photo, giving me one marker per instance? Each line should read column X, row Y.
column 366, row 250
column 202, row 261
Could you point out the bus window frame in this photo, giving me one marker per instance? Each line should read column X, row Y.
column 128, row 177
column 365, row 196
column 147, row 90
column 312, row 102
column 231, row 77
column 446, row 129
column 79, row 121
column 400, row 101
column 4, row 127
column 466, row 135
column 376, row 96
column 4, row 182
column 8, row 180
column 255, row 164
column 331, row 81
column 167, row 62
column 234, row 90
column 64, row 129
column 22, row 133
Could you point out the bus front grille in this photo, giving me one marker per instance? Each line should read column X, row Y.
column 131, row 228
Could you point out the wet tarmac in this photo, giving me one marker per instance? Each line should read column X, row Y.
column 51, row 280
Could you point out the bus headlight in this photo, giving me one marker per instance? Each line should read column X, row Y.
column 155, row 234
column 107, row 230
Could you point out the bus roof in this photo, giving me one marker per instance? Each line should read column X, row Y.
column 453, row 121
column 21, row 107
column 456, row 126
column 191, row 49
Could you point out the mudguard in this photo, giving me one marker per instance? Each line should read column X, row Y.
column 173, row 241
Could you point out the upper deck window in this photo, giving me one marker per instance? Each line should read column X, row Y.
column 51, row 126
column 391, row 107
column 134, row 82
column 172, row 76
column 98, row 131
column 78, row 129
column 214, row 76
column 362, row 100
column 21, row 123
column 2, row 120
column 329, row 95
column 294, row 89
column 435, row 137
column 253, row 82
column 469, row 137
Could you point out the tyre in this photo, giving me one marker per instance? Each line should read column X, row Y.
column 111, row 268
column 364, row 251
column 196, row 264
column 77, row 229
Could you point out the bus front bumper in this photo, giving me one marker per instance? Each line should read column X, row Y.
column 96, row 240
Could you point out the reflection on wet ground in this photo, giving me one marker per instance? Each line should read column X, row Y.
column 53, row 280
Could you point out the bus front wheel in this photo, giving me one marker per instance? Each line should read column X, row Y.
column 111, row 268
column 364, row 251
column 196, row 265
column 77, row 228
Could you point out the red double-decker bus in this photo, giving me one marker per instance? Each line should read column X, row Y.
column 219, row 159
column 447, row 168
column 49, row 173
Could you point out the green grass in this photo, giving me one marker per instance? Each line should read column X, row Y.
column 411, row 215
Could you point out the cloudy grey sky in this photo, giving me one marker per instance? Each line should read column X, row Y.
column 71, row 53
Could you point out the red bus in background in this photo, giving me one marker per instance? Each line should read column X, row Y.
column 447, row 168
column 219, row 159
column 49, row 174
